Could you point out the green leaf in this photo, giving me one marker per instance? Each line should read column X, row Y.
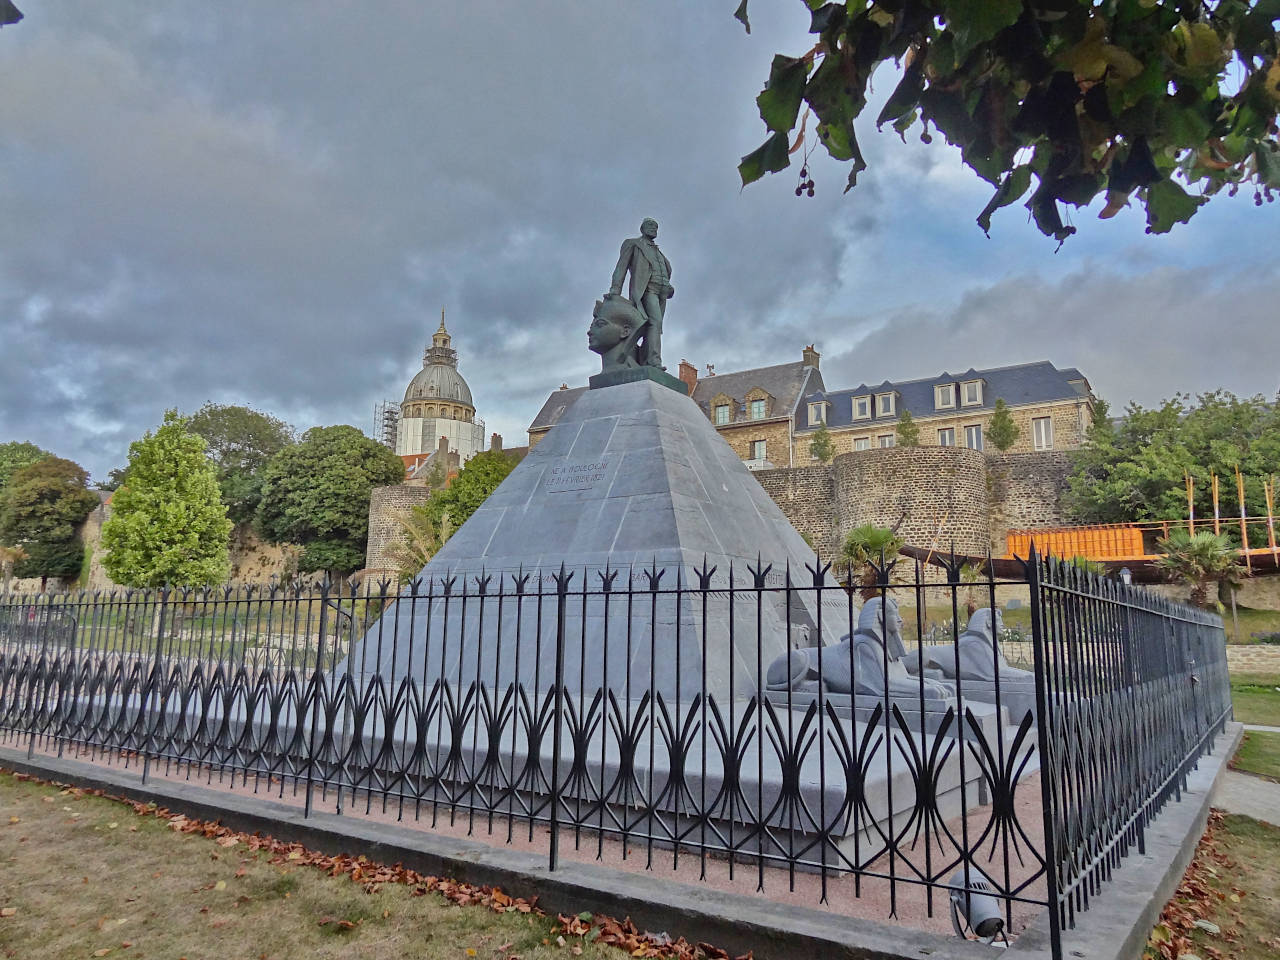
column 1011, row 189
column 780, row 100
column 832, row 91
column 770, row 157
column 974, row 22
column 1167, row 204
column 741, row 15
column 905, row 95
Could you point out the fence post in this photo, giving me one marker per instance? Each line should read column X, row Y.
column 317, row 678
column 152, row 683
column 38, row 676
column 562, row 599
column 1048, row 797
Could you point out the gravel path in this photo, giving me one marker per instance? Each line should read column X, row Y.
column 1252, row 796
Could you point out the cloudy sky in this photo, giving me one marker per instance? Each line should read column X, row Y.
column 268, row 204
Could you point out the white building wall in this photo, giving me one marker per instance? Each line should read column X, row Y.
column 416, row 435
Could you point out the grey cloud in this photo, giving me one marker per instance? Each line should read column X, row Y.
column 269, row 205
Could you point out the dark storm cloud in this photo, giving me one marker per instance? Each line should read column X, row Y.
column 270, row 204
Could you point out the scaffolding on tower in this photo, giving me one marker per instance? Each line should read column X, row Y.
column 386, row 417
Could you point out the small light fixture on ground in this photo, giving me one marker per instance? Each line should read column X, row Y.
column 974, row 909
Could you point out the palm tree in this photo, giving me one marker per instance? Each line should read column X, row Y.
column 1200, row 560
column 9, row 556
column 867, row 545
column 423, row 538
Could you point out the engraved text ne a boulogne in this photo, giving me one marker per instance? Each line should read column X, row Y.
column 575, row 476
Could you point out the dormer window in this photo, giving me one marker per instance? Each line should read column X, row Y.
column 757, row 409
column 722, row 414
column 862, row 408
column 944, row 396
column 884, row 404
column 971, row 393
column 817, row 414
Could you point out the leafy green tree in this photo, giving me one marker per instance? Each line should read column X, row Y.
column 1083, row 97
column 1202, row 561
column 41, row 510
column 239, row 441
column 822, row 446
column 907, row 431
column 453, row 506
column 316, row 493
column 867, row 545
column 168, row 526
column 15, row 455
column 1134, row 469
column 1002, row 431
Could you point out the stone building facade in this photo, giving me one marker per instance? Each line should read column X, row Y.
column 1051, row 408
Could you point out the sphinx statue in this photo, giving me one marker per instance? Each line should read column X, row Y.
column 857, row 664
column 978, row 653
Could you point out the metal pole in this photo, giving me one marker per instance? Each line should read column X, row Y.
column 1048, row 799
column 562, row 590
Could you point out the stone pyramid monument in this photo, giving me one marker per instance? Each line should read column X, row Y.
column 632, row 490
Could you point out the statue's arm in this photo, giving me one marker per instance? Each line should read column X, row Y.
column 620, row 271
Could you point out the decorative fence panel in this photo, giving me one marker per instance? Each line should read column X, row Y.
column 665, row 712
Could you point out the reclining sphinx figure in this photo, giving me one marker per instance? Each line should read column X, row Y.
column 979, row 653
column 798, row 669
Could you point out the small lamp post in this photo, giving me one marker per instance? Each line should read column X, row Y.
column 1126, row 576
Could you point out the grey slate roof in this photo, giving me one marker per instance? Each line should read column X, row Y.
column 555, row 406
column 1024, row 383
column 785, row 382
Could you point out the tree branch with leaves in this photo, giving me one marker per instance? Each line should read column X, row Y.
column 1061, row 100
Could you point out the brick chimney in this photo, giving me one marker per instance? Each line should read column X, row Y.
column 811, row 357
column 443, row 447
column 688, row 375
column 495, row 442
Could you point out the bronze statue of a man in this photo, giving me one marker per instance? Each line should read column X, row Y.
column 650, row 287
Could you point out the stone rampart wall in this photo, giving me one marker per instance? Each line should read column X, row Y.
column 387, row 505
column 807, row 496
column 934, row 496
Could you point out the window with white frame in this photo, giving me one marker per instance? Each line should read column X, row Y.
column 973, row 436
column 884, row 404
column 971, row 393
column 888, row 440
column 861, row 408
column 947, row 437
column 722, row 414
column 817, row 414
column 757, row 449
column 757, row 409
column 944, row 396
column 861, row 443
column 1042, row 432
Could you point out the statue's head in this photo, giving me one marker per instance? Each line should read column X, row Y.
column 986, row 622
column 614, row 320
column 872, row 620
column 649, row 227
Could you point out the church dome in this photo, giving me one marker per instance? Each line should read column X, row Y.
column 439, row 378
column 439, row 381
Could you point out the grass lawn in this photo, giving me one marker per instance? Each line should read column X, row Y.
column 84, row 876
column 1229, row 902
column 1259, row 754
column 1256, row 698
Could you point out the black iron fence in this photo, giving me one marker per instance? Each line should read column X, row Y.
column 1015, row 735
